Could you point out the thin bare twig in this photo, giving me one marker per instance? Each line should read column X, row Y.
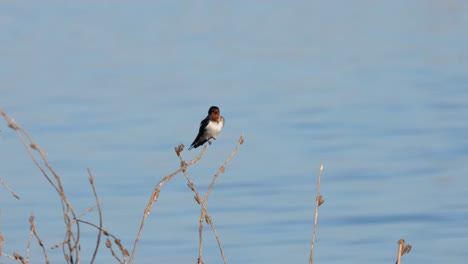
column 15, row 256
column 104, row 231
column 318, row 201
column 13, row 125
column 31, row 229
column 39, row 241
column 122, row 249
column 1, row 243
column 91, row 181
column 9, row 189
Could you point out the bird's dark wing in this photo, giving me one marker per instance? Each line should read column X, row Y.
column 199, row 140
column 203, row 124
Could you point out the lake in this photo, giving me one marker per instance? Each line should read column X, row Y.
column 376, row 91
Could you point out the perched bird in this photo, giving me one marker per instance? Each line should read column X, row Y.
column 209, row 128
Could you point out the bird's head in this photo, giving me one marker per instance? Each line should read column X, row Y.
column 214, row 113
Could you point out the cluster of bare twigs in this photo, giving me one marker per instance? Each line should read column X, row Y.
column 204, row 212
column 402, row 248
column 71, row 242
column 70, row 245
column 204, row 215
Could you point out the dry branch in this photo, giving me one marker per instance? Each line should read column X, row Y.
column 109, row 246
column 91, row 181
column 155, row 194
column 39, row 241
column 1, row 243
column 9, row 189
column 206, row 217
column 71, row 240
column 402, row 249
column 70, row 245
column 204, row 211
column 318, row 201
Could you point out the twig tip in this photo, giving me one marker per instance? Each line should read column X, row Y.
column 241, row 140
column 179, row 149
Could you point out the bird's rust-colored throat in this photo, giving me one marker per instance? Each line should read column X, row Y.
column 215, row 115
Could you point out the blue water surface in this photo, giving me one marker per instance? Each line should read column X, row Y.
column 376, row 91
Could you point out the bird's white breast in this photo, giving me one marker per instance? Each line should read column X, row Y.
column 213, row 128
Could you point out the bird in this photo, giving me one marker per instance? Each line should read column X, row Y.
column 209, row 128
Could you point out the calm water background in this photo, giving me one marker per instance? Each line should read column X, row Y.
column 377, row 91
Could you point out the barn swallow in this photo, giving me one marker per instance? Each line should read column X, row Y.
column 209, row 128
